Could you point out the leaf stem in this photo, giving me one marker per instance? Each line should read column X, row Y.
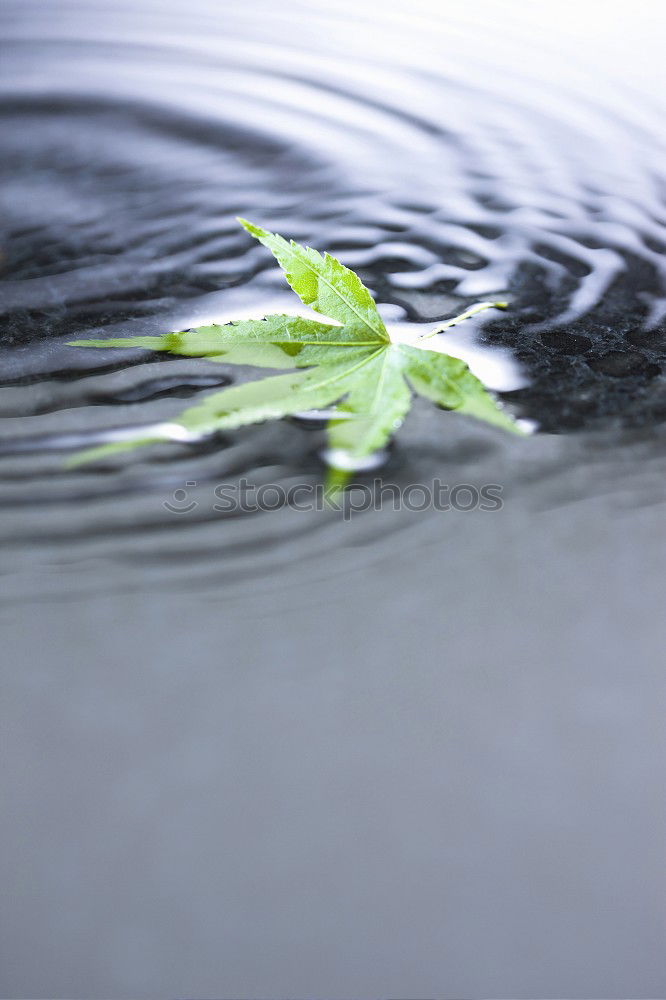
column 472, row 311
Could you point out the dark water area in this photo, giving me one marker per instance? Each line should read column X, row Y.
column 281, row 753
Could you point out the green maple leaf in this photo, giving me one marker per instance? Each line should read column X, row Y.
column 353, row 368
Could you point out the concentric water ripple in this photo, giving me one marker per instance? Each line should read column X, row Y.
column 447, row 159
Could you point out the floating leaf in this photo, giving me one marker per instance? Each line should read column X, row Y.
column 353, row 368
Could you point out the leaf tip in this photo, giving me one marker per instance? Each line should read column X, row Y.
column 250, row 227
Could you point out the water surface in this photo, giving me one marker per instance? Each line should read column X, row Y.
column 279, row 753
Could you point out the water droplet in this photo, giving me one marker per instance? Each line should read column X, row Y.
column 339, row 458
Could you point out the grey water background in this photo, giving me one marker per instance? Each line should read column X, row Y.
column 416, row 754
